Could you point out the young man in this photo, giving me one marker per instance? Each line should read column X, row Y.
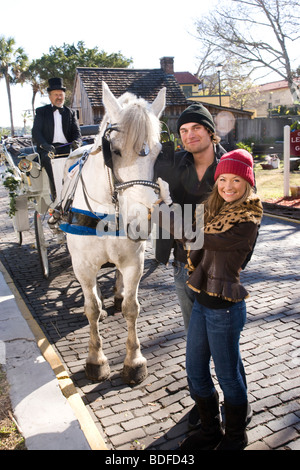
column 191, row 179
column 55, row 125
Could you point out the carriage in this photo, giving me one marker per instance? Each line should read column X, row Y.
column 28, row 186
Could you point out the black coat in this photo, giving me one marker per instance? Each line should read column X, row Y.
column 185, row 188
column 43, row 126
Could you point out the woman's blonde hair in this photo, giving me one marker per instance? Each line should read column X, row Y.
column 214, row 203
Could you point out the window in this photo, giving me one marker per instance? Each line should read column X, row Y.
column 187, row 90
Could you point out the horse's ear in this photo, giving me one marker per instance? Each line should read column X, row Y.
column 110, row 103
column 159, row 103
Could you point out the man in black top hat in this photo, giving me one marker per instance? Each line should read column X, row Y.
column 55, row 125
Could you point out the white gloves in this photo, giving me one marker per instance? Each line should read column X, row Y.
column 164, row 191
column 142, row 195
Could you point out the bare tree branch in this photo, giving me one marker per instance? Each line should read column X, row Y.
column 256, row 32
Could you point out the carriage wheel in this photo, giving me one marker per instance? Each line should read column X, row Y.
column 19, row 237
column 41, row 244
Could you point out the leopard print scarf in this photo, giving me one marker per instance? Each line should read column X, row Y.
column 250, row 210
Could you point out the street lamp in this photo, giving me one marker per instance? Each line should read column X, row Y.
column 219, row 69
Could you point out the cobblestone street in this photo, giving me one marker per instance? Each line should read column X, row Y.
column 153, row 415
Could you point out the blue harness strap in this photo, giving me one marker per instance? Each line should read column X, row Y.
column 81, row 161
column 93, row 224
column 73, row 166
column 77, row 229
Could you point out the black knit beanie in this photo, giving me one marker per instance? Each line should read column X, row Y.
column 196, row 113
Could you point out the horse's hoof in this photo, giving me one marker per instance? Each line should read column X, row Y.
column 134, row 375
column 96, row 372
column 103, row 315
column 118, row 303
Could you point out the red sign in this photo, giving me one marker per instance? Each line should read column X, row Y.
column 295, row 143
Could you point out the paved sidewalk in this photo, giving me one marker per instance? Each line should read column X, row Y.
column 43, row 414
column 153, row 415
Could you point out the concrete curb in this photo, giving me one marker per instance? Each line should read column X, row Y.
column 47, row 407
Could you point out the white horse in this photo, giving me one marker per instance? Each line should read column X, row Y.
column 132, row 128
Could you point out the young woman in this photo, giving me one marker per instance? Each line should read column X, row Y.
column 232, row 217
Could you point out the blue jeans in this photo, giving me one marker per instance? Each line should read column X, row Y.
column 184, row 293
column 215, row 333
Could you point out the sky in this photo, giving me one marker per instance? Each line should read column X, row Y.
column 143, row 31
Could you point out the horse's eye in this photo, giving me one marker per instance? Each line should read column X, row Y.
column 117, row 152
column 145, row 151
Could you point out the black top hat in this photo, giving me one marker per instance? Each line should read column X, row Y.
column 55, row 84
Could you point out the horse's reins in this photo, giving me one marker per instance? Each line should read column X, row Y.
column 67, row 207
column 55, row 155
column 114, row 184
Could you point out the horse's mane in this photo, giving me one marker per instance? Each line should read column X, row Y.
column 138, row 125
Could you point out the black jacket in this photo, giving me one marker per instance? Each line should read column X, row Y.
column 185, row 188
column 43, row 126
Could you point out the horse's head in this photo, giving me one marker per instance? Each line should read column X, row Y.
column 136, row 126
column 131, row 129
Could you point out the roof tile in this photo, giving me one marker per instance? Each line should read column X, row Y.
column 144, row 83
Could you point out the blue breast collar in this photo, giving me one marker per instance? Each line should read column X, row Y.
column 93, row 223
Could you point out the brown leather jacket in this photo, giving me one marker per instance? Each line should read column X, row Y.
column 215, row 268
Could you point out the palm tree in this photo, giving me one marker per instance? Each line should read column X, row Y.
column 26, row 115
column 13, row 64
column 37, row 84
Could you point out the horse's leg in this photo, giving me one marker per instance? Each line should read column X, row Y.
column 135, row 365
column 97, row 368
column 118, row 291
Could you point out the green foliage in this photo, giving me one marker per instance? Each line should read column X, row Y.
column 59, row 62
column 62, row 62
column 13, row 61
column 12, row 184
column 242, row 145
column 295, row 126
column 4, row 131
column 13, row 66
column 283, row 110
